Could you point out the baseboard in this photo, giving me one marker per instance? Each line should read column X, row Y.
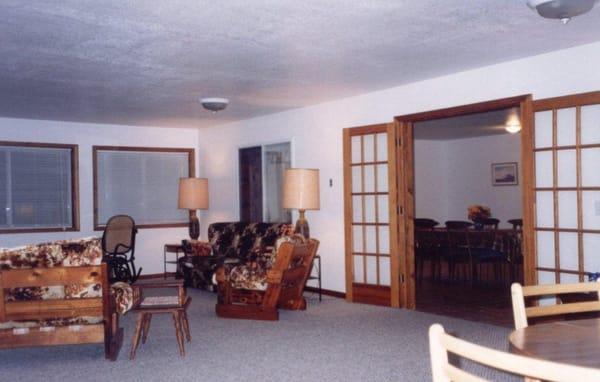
column 326, row 292
column 155, row 275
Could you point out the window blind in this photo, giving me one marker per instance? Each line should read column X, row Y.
column 141, row 184
column 35, row 188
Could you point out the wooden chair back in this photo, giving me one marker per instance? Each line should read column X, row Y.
column 289, row 274
column 441, row 343
column 517, row 224
column 521, row 313
column 425, row 223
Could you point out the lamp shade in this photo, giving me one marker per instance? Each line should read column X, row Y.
column 193, row 193
column 301, row 189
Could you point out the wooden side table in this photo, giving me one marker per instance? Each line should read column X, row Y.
column 145, row 307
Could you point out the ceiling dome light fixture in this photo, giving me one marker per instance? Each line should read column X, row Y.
column 513, row 128
column 513, row 124
column 562, row 10
column 214, row 104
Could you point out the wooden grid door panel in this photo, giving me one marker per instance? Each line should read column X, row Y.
column 567, row 187
column 367, row 209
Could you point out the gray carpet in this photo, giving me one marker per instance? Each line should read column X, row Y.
column 331, row 341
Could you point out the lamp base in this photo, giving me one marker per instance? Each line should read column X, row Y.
column 194, row 227
column 302, row 226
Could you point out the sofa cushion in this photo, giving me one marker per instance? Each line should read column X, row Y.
column 67, row 253
column 252, row 274
column 238, row 239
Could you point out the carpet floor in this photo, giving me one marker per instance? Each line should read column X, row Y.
column 331, row 341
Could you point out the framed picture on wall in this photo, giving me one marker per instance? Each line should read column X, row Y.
column 505, row 174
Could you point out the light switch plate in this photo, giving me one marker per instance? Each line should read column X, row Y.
column 597, row 207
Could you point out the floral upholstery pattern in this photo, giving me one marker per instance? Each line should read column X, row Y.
column 67, row 253
column 230, row 242
column 252, row 274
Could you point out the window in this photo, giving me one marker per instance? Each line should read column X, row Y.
column 38, row 187
column 261, row 170
column 142, row 183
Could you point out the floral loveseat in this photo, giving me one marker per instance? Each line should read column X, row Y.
column 228, row 243
column 42, row 265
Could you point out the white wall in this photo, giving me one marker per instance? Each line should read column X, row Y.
column 469, row 180
column 317, row 131
column 431, row 188
column 452, row 175
column 149, row 244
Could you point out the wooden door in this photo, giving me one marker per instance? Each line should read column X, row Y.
column 566, row 151
column 251, row 195
column 370, row 215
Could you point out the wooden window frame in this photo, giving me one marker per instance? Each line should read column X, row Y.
column 74, row 149
column 191, row 173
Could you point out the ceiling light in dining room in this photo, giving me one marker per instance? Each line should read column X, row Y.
column 513, row 124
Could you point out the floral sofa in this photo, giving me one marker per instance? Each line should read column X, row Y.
column 35, row 261
column 229, row 243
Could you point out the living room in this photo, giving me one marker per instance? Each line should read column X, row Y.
column 59, row 90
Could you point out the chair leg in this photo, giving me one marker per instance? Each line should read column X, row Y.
column 136, row 336
column 146, row 327
column 178, row 332
column 186, row 326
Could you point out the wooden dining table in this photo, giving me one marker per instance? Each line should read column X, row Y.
column 575, row 342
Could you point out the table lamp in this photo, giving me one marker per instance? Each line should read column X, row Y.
column 193, row 195
column 301, row 192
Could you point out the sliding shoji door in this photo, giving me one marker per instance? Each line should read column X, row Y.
column 370, row 218
column 567, row 187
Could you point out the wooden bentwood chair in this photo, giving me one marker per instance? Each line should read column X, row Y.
column 440, row 344
column 118, row 247
column 522, row 313
column 285, row 284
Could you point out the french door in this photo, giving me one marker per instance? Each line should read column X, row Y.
column 370, row 207
column 566, row 150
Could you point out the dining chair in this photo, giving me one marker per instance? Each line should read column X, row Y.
column 458, row 251
column 517, row 224
column 515, row 252
column 425, row 223
column 488, row 223
column 521, row 313
column 427, row 250
column 442, row 344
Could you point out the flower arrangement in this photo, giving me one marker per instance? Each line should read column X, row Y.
column 477, row 212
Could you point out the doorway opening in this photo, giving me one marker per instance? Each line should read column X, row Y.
column 468, row 214
column 261, row 170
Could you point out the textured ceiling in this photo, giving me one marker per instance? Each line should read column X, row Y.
column 467, row 126
column 146, row 62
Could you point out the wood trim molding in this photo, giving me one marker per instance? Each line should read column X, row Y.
column 75, row 203
column 95, row 149
column 326, row 292
column 566, row 101
column 473, row 108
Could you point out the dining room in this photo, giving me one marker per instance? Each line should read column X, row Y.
column 468, row 214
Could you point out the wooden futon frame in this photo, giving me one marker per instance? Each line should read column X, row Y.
column 107, row 332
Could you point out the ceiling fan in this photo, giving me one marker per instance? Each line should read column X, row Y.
column 562, row 10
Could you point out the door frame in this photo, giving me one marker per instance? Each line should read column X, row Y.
column 404, row 125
